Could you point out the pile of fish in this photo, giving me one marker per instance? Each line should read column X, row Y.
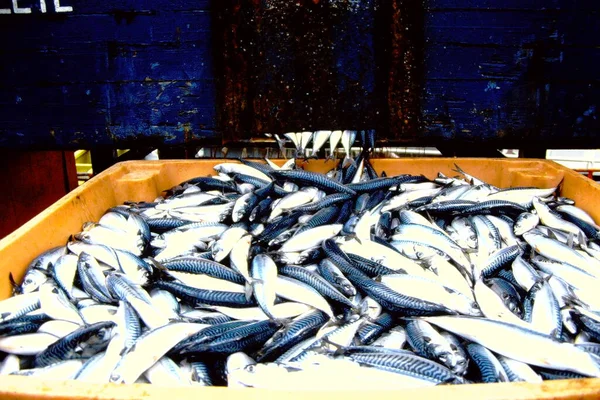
column 301, row 141
column 276, row 277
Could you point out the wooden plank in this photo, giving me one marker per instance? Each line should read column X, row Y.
column 117, row 114
column 510, row 64
column 179, row 72
column 354, row 65
column 79, row 31
column 512, row 73
column 513, row 28
column 280, row 75
column 534, row 5
column 564, row 115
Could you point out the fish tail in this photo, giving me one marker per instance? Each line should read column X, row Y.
column 15, row 286
column 458, row 169
column 158, row 269
column 352, row 236
column 281, row 144
column 348, row 161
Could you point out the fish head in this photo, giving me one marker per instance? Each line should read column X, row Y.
column 238, row 361
column 568, row 321
column 525, row 222
column 455, row 362
column 475, row 310
column 512, row 304
column 471, row 241
column 370, row 308
column 32, row 281
column 218, row 254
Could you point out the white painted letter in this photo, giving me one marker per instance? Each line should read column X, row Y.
column 58, row 7
column 5, row 11
column 18, row 10
column 43, row 6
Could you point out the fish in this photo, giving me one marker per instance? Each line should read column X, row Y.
column 264, row 282
column 490, row 368
column 149, row 348
column 427, row 342
column 348, row 138
column 533, row 348
column 334, row 140
column 279, row 277
column 319, row 139
column 295, row 290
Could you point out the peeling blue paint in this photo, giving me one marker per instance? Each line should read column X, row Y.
column 109, row 74
column 114, row 73
column 529, row 70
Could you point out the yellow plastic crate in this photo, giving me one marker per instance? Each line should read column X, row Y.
column 145, row 180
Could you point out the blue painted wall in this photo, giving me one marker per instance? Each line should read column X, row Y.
column 501, row 72
column 107, row 73
column 513, row 72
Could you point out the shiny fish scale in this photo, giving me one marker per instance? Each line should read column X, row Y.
column 411, row 365
column 201, row 296
column 205, row 335
column 431, row 219
column 64, row 347
column 302, row 327
column 208, row 267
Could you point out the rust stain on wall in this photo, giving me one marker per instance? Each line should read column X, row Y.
column 406, row 69
column 309, row 64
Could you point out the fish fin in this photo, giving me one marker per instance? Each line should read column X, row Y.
column 283, row 322
column 582, row 240
column 427, row 263
column 16, row 288
column 157, row 264
column 572, row 301
column 340, row 350
column 158, row 269
column 248, row 291
column 570, row 240
column 429, row 217
column 254, row 281
column 552, row 235
column 352, row 236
